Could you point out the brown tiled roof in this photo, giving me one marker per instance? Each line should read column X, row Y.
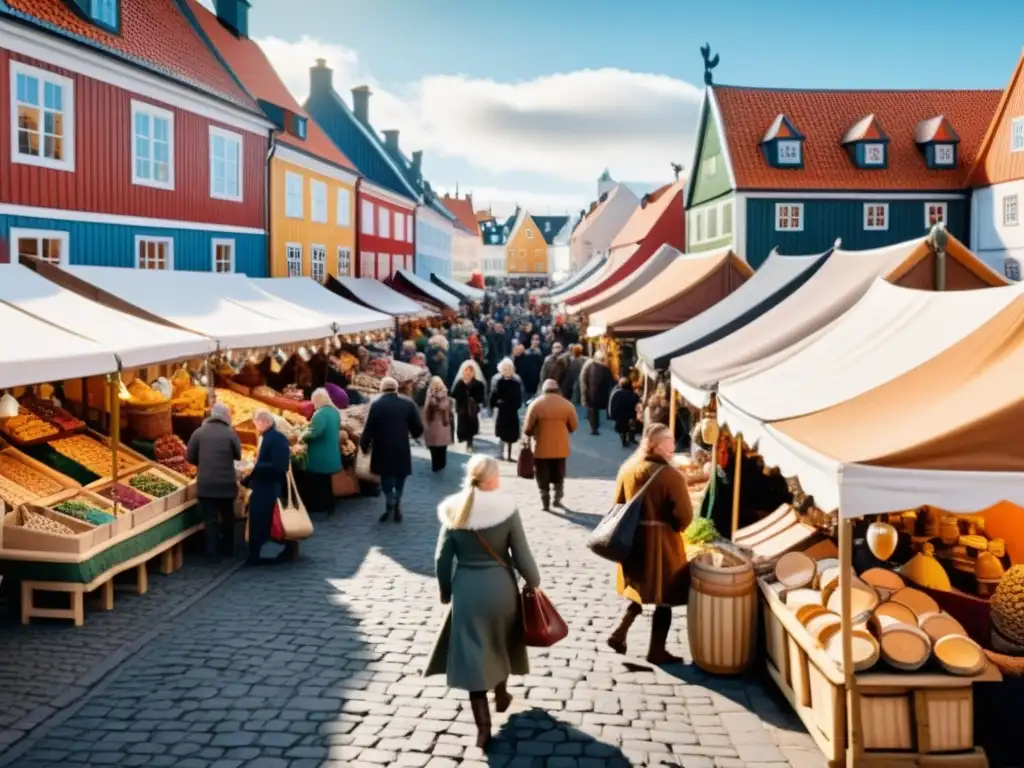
column 823, row 117
column 645, row 217
column 462, row 208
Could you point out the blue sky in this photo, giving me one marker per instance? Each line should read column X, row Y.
column 533, row 99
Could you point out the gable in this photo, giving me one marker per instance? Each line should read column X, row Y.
column 996, row 163
column 709, row 177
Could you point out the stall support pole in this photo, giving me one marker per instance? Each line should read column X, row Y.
column 672, row 406
column 854, row 749
column 737, row 479
column 114, row 389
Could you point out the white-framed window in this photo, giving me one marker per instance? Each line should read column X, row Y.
column 789, row 217
column 154, row 252
column 710, row 165
column 344, row 262
column 366, row 217
column 944, row 154
column 408, row 229
column 727, row 218
column 547, row 227
column 104, row 12
column 1011, row 215
column 383, row 222
column 711, row 223
column 788, row 152
column 225, row 165
column 874, row 154
column 876, row 217
column 293, row 184
column 318, row 262
column 152, row 146
column 42, row 118
column 223, row 255
column 293, row 259
column 1011, row 268
column 1016, row 134
column 399, row 226
column 344, row 211
column 529, row 234
column 494, row 239
column 318, row 201
column 934, row 213
column 383, row 266
column 367, row 261
column 51, row 246
column 698, row 228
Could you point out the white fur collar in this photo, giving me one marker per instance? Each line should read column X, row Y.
column 490, row 508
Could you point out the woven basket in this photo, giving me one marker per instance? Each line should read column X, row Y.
column 1010, row 666
column 150, row 423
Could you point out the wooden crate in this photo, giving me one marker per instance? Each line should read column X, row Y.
column 124, row 522
column 173, row 499
column 141, row 515
column 17, row 537
column 63, row 480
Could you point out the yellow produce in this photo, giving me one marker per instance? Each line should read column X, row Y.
column 1008, row 605
column 26, row 427
column 189, row 402
column 242, row 408
column 93, row 455
column 31, row 481
column 143, row 394
column 925, row 571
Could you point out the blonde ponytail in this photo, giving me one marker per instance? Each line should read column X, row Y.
column 479, row 469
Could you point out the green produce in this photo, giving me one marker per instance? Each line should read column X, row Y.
column 701, row 531
column 87, row 513
column 153, row 485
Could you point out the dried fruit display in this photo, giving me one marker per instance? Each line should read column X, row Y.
column 87, row 513
column 180, row 465
column 31, row 480
column 26, row 427
column 168, row 447
column 152, row 485
column 35, row 522
column 126, row 496
column 53, row 413
column 242, row 408
column 295, row 419
column 91, row 454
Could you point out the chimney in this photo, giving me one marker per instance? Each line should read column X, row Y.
column 320, row 77
column 361, row 103
column 417, row 161
column 234, row 14
column 391, row 140
column 469, row 197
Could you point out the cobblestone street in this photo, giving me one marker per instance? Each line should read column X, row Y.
column 318, row 662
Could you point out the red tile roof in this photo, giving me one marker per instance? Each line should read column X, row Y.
column 462, row 208
column 639, row 225
column 154, row 34
column 823, row 117
column 251, row 66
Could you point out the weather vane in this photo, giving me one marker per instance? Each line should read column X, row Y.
column 710, row 62
column 677, row 169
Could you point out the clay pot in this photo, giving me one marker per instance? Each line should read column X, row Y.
column 882, row 539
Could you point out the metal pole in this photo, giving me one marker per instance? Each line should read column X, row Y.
column 114, row 390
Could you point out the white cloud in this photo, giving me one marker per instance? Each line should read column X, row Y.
column 567, row 127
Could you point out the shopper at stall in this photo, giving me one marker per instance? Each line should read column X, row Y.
column 390, row 424
column 622, row 411
column 556, row 365
column 596, row 382
column 437, row 357
column 470, row 395
column 571, row 382
column 550, row 420
column 481, row 644
column 656, row 572
column 506, row 400
column 437, row 423
column 323, row 453
column 528, row 365
column 267, row 481
column 213, row 449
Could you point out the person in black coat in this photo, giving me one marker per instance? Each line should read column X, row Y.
column 267, row 481
column 622, row 411
column 390, row 424
column 506, row 399
column 528, row 367
column 469, row 395
column 596, row 382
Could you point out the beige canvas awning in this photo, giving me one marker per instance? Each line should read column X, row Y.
column 630, row 285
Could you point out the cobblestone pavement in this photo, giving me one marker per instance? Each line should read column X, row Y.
column 317, row 663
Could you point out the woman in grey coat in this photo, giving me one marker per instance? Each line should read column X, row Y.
column 481, row 641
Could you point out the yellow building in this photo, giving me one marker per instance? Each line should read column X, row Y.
column 526, row 251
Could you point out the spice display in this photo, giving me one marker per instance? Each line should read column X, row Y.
column 189, row 402
column 85, row 512
column 34, row 482
column 125, row 495
column 91, row 454
column 44, row 524
column 26, row 427
column 152, row 485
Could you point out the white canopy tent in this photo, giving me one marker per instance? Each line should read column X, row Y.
column 433, row 292
column 376, row 295
column 347, row 316
column 467, row 292
column 135, row 341
column 227, row 308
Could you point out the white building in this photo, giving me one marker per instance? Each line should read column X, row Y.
column 467, row 247
column 435, row 233
column 608, row 214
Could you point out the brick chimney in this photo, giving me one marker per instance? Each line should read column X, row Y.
column 417, row 161
column 391, row 140
column 233, row 14
column 321, row 77
column 361, row 103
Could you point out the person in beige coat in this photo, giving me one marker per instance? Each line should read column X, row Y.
column 437, row 423
column 550, row 420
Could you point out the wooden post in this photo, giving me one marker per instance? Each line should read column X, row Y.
column 115, row 425
column 737, row 479
column 854, row 748
column 672, row 409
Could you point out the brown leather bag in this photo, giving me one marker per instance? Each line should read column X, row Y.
column 344, row 483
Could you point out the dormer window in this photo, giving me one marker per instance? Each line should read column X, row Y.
column 297, row 126
column 937, row 141
column 945, row 154
column 529, row 234
column 783, row 145
column 547, row 226
column 874, row 154
column 104, row 12
column 867, row 144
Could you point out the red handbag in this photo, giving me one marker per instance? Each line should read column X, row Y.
column 276, row 526
column 524, row 465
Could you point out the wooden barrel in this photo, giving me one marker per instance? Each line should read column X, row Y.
column 721, row 614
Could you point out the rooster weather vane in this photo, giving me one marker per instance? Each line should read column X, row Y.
column 710, row 62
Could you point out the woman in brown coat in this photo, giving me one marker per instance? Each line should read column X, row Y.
column 437, row 423
column 655, row 573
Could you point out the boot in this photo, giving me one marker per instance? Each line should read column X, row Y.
column 617, row 639
column 660, row 624
column 558, row 494
column 545, row 500
column 510, row 451
column 482, row 717
column 398, row 513
column 387, row 513
column 502, row 698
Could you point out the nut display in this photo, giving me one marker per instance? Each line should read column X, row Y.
column 1008, row 605
column 152, row 485
column 30, row 480
column 126, row 496
column 242, row 408
column 91, row 454
column 35, row 522
column 81, row 510
column 26, row 427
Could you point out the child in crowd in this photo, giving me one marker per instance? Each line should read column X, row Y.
column 622, row 410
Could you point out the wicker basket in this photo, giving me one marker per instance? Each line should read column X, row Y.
column 150, row 423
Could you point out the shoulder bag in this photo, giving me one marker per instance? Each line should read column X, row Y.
column 524, row 464
column 295, row 524
column 542, row 625
column 613, row 537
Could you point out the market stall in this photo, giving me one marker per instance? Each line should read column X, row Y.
column 467, row 293
column 348, row 317
column 424, row 291
column 375, row 295
column 551, row 295
column 631, row 283
column 777, row 279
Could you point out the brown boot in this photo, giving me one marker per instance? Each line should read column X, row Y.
column 617, row 639
column 502, row 698
column 482, row 717
column 660, row 623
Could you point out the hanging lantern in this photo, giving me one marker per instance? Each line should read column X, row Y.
column 882, row 538
column 709, row 431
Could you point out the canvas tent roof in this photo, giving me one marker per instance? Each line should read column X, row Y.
column 946, row 433
column 465, row 292
column 585, row 272
column 417, row 288
column 377, row 296
column 632, row 283
column 687, row 286
column 135, row 341
column 839, row 284
column 593, row 278
column 347, row 316
column 226, row 308
column 890, row 331
column 777, row 278
column 614, row 270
